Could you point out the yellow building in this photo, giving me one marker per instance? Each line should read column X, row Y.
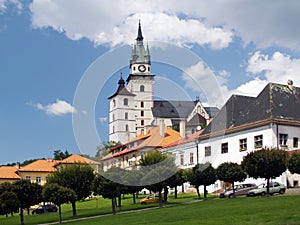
column 9, row 174
column 38, row 171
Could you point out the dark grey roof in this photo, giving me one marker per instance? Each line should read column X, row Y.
column 172, row 109
column 212, row 111
column 275, row 101
column 196, row 120
column 121, row 89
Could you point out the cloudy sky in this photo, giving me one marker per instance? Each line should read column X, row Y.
column 46, row 47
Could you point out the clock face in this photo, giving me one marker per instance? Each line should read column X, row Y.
column 142, row 68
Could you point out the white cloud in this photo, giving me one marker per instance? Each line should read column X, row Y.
column 210, row 23
column 59, row 108
column 212, row 84
column 277, row 68
column 4, row 4
column 99, row 24
column 103, row 119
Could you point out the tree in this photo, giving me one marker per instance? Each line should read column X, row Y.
column 108, row 189
column 294, row 163
column 59, row 155
column 28, row 194
column 176, row 180
column 78, row 177
column 58, row 195
column 206, row 175
column 266, row 163
column 231, row 172
column 156, row 168
column 9, row 203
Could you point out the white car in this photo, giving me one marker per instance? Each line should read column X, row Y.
column 261, row 190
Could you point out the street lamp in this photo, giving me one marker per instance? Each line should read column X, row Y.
column 197, row 142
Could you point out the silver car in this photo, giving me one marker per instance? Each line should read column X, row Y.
column 239, row 190
column 261, row 190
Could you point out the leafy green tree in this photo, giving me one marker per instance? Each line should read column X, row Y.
column 294, row 163
column 206, row 175
column 156, row 168
column 266, row 163
column 58, row 195
column 59, row 155
column 28, row 194
column 78, row 177
column 132, row 180
column 176, row 180
column 108, row 189
column 9, row 203
column 231, row 172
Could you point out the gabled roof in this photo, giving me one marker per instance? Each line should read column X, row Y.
column 9, row 172
column 151, row 140
column 77, row 159
column 42, row 165
column 196, row 120
column 178, row 109
column 276, row 101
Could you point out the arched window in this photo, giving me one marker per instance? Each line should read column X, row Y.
column 126, row 116
column 142, row 88
column 125, row 101
column 113, row 129
column 134, row 68
column 142, row 104
column 126, row 128
column 113, row 117
column 142, row 113
column 114, row 103
column 142, row 122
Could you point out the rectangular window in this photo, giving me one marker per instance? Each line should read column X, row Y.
column 295, row 142
column 181, row 159
column 283, row 139
column 224, row 148
column 28, row 178
column 207, row 150
column 191, row 158
column 243, row 144
column 38, row 180
column 258, row 141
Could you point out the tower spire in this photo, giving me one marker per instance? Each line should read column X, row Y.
column 140, row 35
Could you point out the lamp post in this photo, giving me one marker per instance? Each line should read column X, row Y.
column 197, row 149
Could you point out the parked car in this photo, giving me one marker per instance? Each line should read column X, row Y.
column 261, row 190
column 45, row 208
column 239, row 190
column 152, row 198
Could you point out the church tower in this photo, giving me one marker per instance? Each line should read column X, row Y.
column 130, row 107
column 121, row 115
column 141, row 83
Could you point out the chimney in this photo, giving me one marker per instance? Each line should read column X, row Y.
column 182, row 128
column 290, row 84
column 161, row 127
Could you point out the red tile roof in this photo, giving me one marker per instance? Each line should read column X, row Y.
column 42, row 165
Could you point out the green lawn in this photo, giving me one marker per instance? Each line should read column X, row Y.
column 259, row 210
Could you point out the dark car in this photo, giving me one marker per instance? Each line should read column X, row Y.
column 239, row 190
column 45, row 208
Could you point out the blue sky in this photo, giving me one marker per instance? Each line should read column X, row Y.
column 48, row 47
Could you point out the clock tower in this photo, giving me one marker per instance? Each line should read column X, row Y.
column 141, row 83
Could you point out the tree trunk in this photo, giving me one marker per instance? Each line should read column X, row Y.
column 175, row 194
column 22, row 217
column 133, row 198
column 74, row 208
column 119, row 203
column 198, row 193
column 160, row 199
column 233, row 190
column 166, row 192
column 59, row 212
column 113, row 206
column 268, row 187
column 182, row 188
column 205, row 192
column 28, row 211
